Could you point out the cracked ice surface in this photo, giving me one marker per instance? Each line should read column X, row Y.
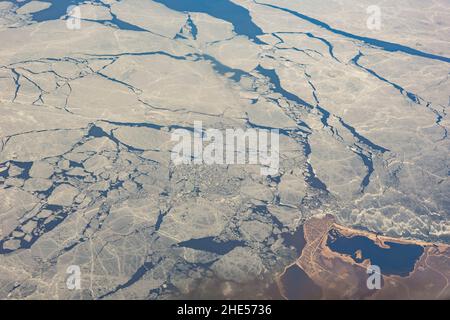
column 86, row 119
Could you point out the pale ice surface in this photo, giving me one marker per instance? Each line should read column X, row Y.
column 87, row 116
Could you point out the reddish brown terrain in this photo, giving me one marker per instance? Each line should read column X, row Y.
column 331, row 275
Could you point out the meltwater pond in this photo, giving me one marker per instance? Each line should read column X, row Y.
column 298, row 286
column 398, row 259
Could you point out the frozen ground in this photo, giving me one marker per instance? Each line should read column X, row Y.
column 87, row 115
